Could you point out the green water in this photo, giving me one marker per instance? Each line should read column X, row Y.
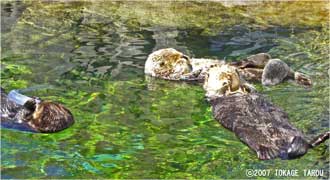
column 90, row 57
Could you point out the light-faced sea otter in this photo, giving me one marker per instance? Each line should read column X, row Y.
column 264, row 127
column 33, row 114
column 173, row 65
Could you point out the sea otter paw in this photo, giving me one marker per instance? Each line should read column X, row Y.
column 229, row 92
column 240, row 90
column 249, row 88
column 193, row 76
column 302, row 79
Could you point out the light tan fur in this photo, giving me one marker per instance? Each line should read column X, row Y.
column 225, row 80
column 50, row 117
column 167, row 63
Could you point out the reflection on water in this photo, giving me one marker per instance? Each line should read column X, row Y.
column 90, row 57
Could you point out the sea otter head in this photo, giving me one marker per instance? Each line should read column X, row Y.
column 277, row 70
column 42, row 116
column 49, row 116
column 223, row 80
column 167, row 63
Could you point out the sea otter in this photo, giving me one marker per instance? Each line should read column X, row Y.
column 261, row 67
column 168, row 64
column 33, row 114
column 264, row 127
column 173, row 65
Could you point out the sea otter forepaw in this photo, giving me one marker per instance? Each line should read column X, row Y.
column 302, row 79
column 249, row 88
column 193, row 76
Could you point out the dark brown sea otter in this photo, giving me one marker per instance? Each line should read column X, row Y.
column 264, row 127
column 32, row 114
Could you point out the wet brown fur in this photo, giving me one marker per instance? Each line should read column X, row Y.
column 261, row 125
column 51, row 117
column 264, row 127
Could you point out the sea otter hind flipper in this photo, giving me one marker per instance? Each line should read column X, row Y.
column 320, row 139
column 266, row 153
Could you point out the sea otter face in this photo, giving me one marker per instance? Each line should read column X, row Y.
column 222, row 80
column 167, row 63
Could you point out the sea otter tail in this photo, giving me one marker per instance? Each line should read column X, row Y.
column 319, row 139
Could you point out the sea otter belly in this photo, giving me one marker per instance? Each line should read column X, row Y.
column 263, row 126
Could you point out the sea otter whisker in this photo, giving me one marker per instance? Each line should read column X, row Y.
column 18, row 98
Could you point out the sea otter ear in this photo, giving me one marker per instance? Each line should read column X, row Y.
column 30, row 105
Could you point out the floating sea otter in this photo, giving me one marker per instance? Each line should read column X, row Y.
column 32, row 114
column 264, row 127
column 173, row 65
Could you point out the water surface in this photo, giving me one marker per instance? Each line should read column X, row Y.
column 90, row 57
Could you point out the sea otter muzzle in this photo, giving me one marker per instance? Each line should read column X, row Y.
column 18, row 98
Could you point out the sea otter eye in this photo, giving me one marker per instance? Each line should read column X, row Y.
column 162, row 64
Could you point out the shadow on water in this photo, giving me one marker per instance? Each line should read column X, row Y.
column 90, row 56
